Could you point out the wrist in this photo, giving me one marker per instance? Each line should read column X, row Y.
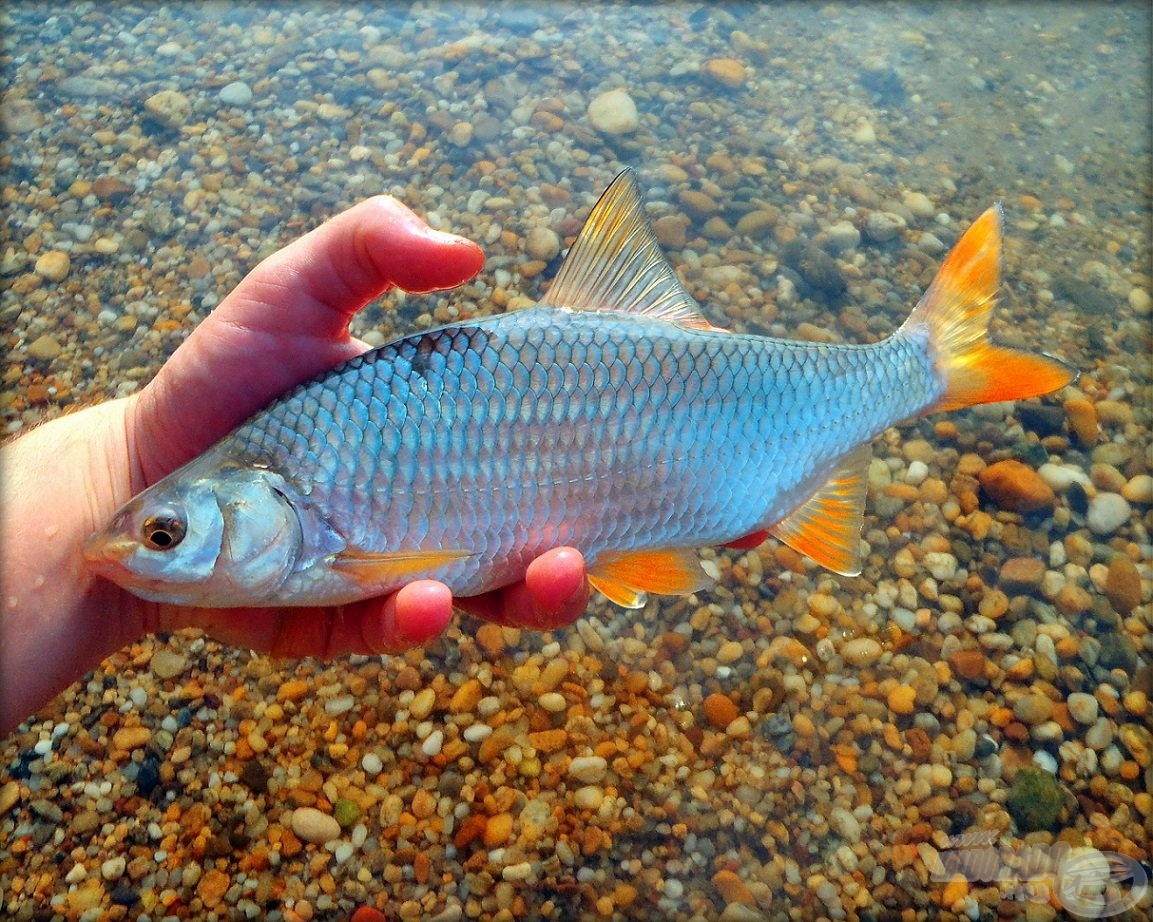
column 60, row 482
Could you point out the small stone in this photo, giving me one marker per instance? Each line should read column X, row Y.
column 1139, row 489
column 919, row 204
column 346, row 812
column 720, row 710
column 1123, row 585
column 589, row 797
column 53, row 265
column 902, row 699
column 1022, row 574
column 167, row 664
column 883, row 225
column 730, row 651
column 1139, row 741
column 169, row 107
column 1140, row 301
column 460, row 135
column 1015, row 486
column 732, row 888
column 312, row 825
column 212, row 886
column 498, row 829
column 861, row 651
column 292, row 690
column 1082, row 418
column 1033, row 709
column 1117, row 651
column 588, row 769
column 237, row 93
column 1107, row 512
column 728, row 72
column 969, row 664
column 44, row 348
column 1082, row 708
column 422, row 703
column 129, row 738
column 843, row 236
column 542, row 243
column 758, row 224
column 614, row 112
column 697, row 203
column 114, row 867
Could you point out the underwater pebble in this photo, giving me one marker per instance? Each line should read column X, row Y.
column 237, row 93
column 53, row 265
column 614, row 112
column 1107, row 513
column 589, row 769
column 312, row 825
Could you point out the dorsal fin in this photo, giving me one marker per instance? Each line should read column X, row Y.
column 617, row 265
column 827, row 526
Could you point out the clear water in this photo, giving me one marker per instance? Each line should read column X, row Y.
column 829, row 803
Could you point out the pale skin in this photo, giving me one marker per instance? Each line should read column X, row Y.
column 286, row 321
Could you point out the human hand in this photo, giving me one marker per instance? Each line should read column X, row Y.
column 286, row 321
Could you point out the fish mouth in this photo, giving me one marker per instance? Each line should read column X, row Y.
column 105, row 555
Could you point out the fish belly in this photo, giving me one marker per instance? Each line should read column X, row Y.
column 517, row 434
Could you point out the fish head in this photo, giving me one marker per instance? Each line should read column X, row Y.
column 227, row 539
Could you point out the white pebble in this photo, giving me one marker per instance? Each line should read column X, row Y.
column 589, row 769
column 311, row 825
column 433, row 743
column 372, row 764
column 916, row 473
column 113, row 868
column 237, row 93
column 1107, row 513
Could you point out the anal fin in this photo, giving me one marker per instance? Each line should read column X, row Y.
column 827, row 526
column 626, row 577
column 368, row 568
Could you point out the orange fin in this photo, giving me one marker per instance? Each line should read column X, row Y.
column 827, row 526
column 625, row 577
column 955, row 312
column 371, row 569
column 617, row 265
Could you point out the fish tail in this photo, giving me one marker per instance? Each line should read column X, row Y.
column 955, row 314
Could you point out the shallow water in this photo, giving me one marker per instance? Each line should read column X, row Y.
column 868, row 720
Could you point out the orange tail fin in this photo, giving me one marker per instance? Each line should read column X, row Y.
column 956, row 311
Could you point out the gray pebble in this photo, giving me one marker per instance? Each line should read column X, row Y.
column 1107, row 513
column 237, row 93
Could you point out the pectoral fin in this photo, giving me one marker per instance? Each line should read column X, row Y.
column 372, row 569
column 827, row 527
column 625, row 577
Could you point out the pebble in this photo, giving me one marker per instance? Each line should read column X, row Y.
column 843, row 236
column 882, row 226
column 169, row 107
column 168, row 664
column 729, row 652
column 1015, row 486
column 1107, row 513
column 1082, row 708
column 1141, row 302
column 614, row 113
column 1139, row 741
column 1022, row 574
column 44, row 348
column 312, row 825
column 720, row 710
column 129, row 738
column 728, row 72
column 1139, row 489
column 861, row 651
column 1033, row 709
column 237, row 93
column 1123, row 585
column 902, row 699
column 588, row 769
column 53, row 265
column 542, row 243
column 422, row 703
column 1082, row 419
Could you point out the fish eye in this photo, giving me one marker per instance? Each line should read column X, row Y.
column 163, row 531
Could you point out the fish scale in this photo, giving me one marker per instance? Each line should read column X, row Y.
column 611, row 417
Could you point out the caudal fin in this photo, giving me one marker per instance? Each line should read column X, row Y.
column 956, row 311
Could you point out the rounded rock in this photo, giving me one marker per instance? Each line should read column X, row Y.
column 1107, row 512
column 311, row 825
column 884, row 225
column 728, row 72
column 1015, row 486
column 542, row 243
column 614, row 112
column 53, row 265
column 1082, row 708
column 237, row 93
column 169, row 107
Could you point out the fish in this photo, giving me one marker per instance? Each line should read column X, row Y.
column 611, row 416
